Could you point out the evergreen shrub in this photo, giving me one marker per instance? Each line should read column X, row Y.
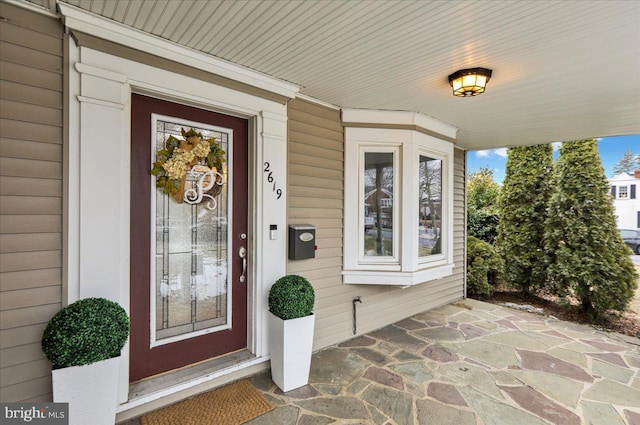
column 523, row 211
column 483, row 224
column 291, row 297
column 586, row 255
column 84, row 332
column 484, row 267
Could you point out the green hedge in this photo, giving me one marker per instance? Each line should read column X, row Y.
column 586, row 255
column 483, row 224
column 523, row 211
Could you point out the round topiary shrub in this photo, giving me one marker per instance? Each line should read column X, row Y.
column 85, row 332
column 292, row 296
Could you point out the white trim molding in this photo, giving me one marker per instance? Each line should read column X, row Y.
column 42, row 10
column 87, row 22
column 98, row 214
column 312, row 99
column 398, row 119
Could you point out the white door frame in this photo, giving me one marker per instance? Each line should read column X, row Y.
column 98, row 122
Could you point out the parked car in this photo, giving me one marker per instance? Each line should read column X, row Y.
column 631, row 238
column 369, row 223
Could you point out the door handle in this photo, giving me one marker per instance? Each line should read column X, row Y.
column 242, row 252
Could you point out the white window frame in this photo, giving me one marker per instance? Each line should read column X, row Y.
column 408, row 135
column 623, row 194
column 383, row 262
column 425, row 261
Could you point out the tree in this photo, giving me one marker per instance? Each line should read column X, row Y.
column 523, row 211
column 482, row 205
column 627, row 164
column 586, row 255
column 482, row 190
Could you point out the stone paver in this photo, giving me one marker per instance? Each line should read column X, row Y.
column 493, row 412
column 546, row 363
column 429, row 413
column 439, row 353
column 498, row 355
column 417, row 371
column 396, row 405
column 632, row 417
column 535, row 402
column 559, row 388
column 607, row 370
column 446, row 393
column 614, row 393
column 610, row 358
column 600, row 414
column 341, row 407
column 467, row 363
column 441, row 333
column 336, row 365
column 384, row 377
column 570, row 356
column 467, row 375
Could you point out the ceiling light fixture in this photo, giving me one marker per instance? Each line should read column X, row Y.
column 469, row 82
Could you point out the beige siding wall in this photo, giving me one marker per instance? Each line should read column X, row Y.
column 30, row 197
column 316, row 196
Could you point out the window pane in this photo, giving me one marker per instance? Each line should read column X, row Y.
column 623, row 192
column 378, row 204
column 191, row 286
column 430, row 215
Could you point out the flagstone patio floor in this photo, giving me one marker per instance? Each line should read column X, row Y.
column 469, row 362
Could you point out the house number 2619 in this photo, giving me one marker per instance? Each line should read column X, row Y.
column 270, row 179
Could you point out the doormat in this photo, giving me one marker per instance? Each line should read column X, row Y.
column 229, row 405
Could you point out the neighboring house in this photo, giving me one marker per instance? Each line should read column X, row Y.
column 86, row 103
column 379, row 200
column 626, row 199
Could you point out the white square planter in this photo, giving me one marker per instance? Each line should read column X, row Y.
column 90, row 390
column 290, row 346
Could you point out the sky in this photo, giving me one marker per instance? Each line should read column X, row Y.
column 611, row 150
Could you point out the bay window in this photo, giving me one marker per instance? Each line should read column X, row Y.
column 398, row 198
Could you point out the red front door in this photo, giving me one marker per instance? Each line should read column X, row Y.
column 188, row 303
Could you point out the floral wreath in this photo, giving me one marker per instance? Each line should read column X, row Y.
column 178, row 156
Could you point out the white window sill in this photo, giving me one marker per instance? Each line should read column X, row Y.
column 403, row 279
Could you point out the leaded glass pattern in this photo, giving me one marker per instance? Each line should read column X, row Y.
column 191, row 284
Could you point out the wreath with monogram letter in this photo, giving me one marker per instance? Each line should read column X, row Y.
column 179, row 156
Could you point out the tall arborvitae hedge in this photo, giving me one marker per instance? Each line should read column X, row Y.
column 586, row 255
column 523, row 211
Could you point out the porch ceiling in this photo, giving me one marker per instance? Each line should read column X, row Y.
column 562, row 70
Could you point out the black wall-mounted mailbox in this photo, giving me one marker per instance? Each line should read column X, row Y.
column 302, row 241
